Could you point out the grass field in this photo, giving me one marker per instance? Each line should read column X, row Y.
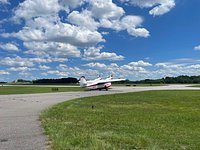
column 144, row 120
column 35, row 89
column 197, row 85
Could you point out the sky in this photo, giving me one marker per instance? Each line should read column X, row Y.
column 133, row 39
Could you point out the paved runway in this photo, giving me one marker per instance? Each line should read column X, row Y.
column 19, row 125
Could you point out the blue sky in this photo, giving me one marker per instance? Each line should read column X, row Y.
column 134, row 39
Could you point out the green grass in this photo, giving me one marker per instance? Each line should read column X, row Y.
column 151, row 120
column 197, row 85
column 35, row 89
column 53, row 84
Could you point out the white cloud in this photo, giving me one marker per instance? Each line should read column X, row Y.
column 71, row 4
column 175, row 69
column 104, row 33
column 94, row 53
column 196, row 66
column 4, row 1
column 138, row 66
column 63, row 70
column 102, row 9
column 159, row 7
column 130, row 23
column 163, row 8
column 27, row 62
column 44, row 67
column 17, row 61
column 96, row 65
column 53, row 49
column 21, row 69
column 49, row 38
column 52, row 29
column 131, row 69
column 197, row 47
column 83, row 19
column 138, row 32
column 57, row 73
column 140, row 63
column 9, row 47
column 143, row 70
column 25, row 74
column 2, row 72
column 168, row 65
column 47, row 60
column 35, row 8
column 42, row 22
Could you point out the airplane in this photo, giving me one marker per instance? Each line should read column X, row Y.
column 98, row 84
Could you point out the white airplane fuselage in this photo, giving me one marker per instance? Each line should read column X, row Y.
column 98, row 83
column 99, row 86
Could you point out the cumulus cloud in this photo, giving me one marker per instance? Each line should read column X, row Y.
column 2, row 72
column 47, row 60
column 168, row 65
column 197, row 47
column 140, row 63
column 196, row 66
column 17, row 61
column 94, row 53
column 44, row 67
column 176, row 69
column 21, row 69
column 42, row 22
column 102, row 9
column 71, row 4
column 137, row 66
column 83, row 19
column 142, row 70
column 62, row 70
column 49, row 37
column 96, row 65
column 57, row 73
column 36, row 8
column 9, row 47
column 159, row 7
column 130, row 23
column 52, row 29
column 4, row 1
column 132, row 68
column 27, row 62
column 53, row 49
column 25, row 74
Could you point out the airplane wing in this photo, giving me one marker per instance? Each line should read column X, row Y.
column 115, row 80
column 105, row 81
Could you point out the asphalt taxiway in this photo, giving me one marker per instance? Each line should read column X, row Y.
column 20, row 128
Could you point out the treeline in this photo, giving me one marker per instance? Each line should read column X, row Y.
column 23, row 81
column 3, row 82
column 168, row 80
column 182, row 79
column 56, row 81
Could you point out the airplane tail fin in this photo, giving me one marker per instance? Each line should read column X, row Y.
column 83, row 82
column 110, row 77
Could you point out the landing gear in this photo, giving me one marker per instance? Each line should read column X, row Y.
column 106, row 88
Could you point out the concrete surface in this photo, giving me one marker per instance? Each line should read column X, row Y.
column 19, row 114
